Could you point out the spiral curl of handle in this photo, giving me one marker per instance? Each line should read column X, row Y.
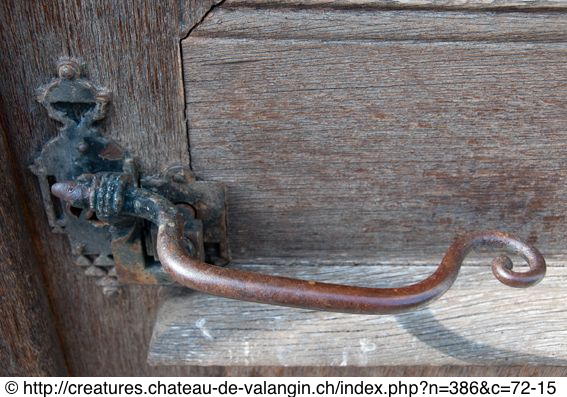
column 113, row 195
column 261, row 288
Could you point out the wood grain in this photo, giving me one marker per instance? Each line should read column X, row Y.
column 371, row 26
column 478, row 322
column 133, row 50
column 360, row 133
column 28, row 340
column 440, row 5
column 375, row 137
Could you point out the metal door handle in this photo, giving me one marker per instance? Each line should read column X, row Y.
column 114, row 195
column 102, row 178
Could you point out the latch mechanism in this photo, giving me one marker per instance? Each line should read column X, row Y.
column 123, row 252
column 121, row 224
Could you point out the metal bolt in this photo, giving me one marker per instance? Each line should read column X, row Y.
column 68, row 69
column 83, row 147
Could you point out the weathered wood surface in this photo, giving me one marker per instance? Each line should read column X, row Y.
column 368, row 26
column 131, row 48
column 350, row 134
column 478, row 322
column 376, row 136
column 28, row 341
column 411, row 4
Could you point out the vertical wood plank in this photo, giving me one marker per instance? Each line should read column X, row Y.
column 28, row 340
column 131, row 48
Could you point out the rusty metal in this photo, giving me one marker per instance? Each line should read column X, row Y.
column 120, row 252
column 78, row 105
column 203, row 209
column 203, row 200
column 115, row 198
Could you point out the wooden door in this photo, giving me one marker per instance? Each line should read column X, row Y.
column 177, row 99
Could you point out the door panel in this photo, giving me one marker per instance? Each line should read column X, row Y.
column 134, row 50
column 354, row 134
column 376, row 136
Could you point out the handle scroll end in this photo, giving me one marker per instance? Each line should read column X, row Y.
column 502, row 268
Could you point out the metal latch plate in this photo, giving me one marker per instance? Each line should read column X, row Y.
column 126, row 253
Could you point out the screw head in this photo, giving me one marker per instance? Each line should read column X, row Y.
column 68, row 70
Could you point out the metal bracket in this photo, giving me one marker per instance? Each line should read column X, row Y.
column 122, row 253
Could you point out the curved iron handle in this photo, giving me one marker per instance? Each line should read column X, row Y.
column 113, row 195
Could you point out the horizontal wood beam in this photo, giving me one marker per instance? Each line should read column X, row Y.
column 368, row 25
column 478, row 322
column 406, row 4
column 377, row 136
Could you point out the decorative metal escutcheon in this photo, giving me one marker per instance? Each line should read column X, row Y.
column 121, row 252
column 127, row 228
